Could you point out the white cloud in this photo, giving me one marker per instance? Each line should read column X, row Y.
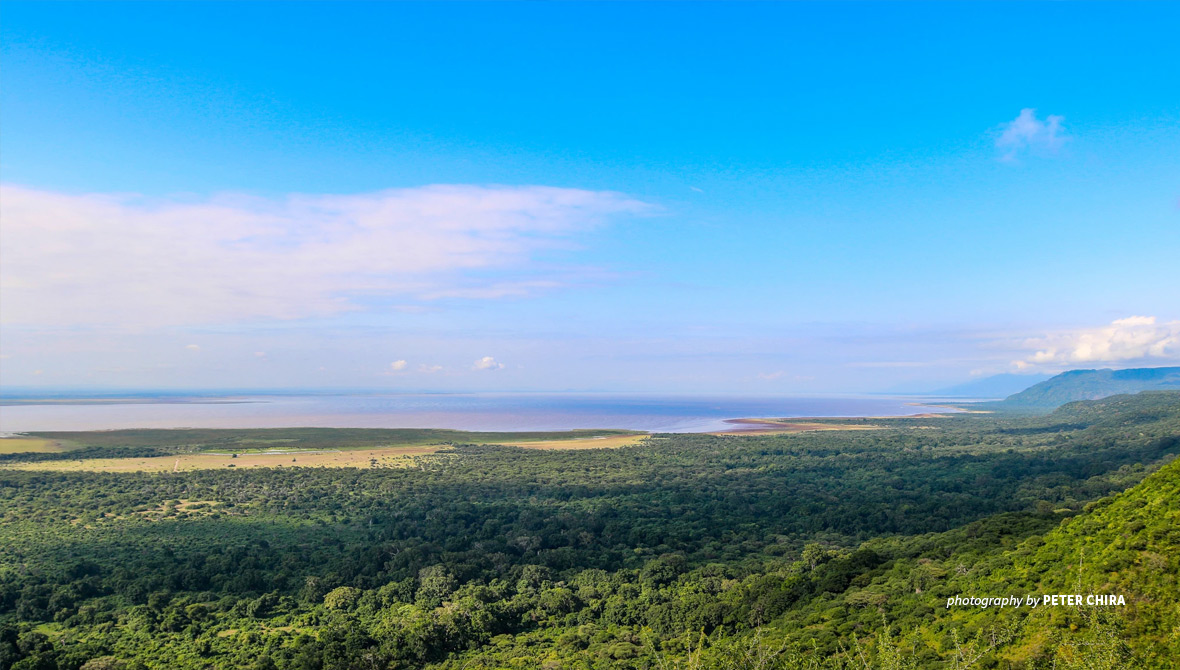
column 429, row 369
column 193, row 347
column 398, row 366
column 92, row 260
column 1132, row 338
column 1026, row 133
column 487, row 363
column 770, row 375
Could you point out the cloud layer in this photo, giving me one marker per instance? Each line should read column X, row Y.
column 1026, row 133
column 87, row 260
column 1133, row 338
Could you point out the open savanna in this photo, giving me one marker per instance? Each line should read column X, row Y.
column 30, row 445
column 184, row 450
column 351, row 458
column 239, row 439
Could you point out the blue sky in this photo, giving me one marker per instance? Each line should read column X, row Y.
column 761, row 198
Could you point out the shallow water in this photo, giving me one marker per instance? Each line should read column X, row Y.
column 492, row 412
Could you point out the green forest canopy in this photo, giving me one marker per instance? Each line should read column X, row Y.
column 807, row 550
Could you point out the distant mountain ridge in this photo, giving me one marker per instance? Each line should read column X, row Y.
column 1077, row 385
column 995, row 386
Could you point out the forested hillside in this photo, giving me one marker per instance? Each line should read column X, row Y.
column 1126, row 545
column 834, row 549
column 1077, row 385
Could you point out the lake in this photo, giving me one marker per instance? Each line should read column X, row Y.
column 461, row 411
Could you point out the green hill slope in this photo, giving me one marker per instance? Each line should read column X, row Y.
column 1091, row 385
column 1126, row 545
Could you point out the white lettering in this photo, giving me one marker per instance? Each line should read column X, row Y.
column 1033, row 600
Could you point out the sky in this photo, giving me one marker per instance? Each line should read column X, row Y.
column 767, row 198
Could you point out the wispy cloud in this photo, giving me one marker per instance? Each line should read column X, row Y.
column 1132, row 338
column 495, row 290
column 398, row 366
column 487, row 363
column 84, row 260
column 1027, row 133
column 892, row 364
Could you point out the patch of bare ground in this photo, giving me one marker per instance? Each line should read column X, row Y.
column 351, row 458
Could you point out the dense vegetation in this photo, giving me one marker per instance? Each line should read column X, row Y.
column 818, row 549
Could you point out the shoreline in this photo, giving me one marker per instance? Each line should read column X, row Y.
column 655, row 415
column 957, row 409
column 771, row 426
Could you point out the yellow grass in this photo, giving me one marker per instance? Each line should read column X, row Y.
column 386, row 456
column 16, row 445
column 353, row 458
column 605, row 442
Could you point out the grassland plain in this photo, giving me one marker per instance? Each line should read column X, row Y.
column 348, row 458
column 817, row 549
column 212, row 439
column 252, row 456
column 34, row 445
column 200, row 449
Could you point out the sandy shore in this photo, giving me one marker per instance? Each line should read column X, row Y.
column 773, row 426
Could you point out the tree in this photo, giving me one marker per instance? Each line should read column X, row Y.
column 814, row 554
column 342, row 598
column 434, row 584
